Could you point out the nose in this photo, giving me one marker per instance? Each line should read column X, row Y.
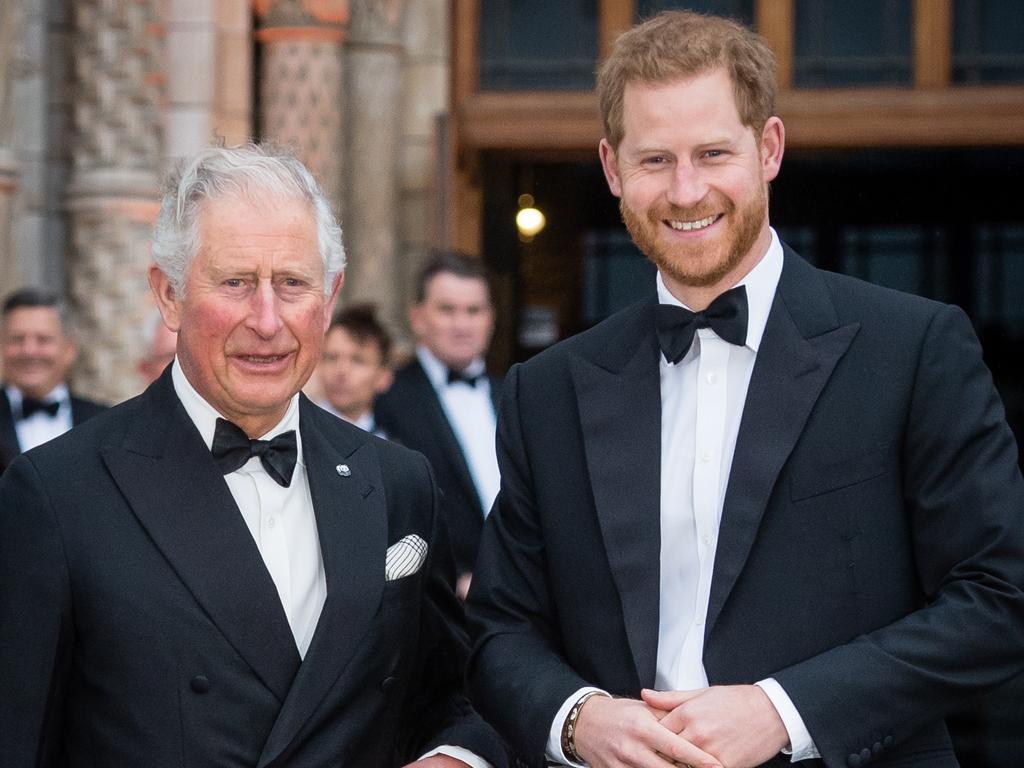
column 687, row 187
column 265, row 314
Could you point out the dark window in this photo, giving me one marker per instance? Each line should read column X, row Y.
column 988, row 41
column 839, row 43
column 538, row 44
column 741, row 10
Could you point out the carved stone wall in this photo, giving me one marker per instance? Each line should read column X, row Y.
column 112, row 198
column 10, row 33
column 301, row 83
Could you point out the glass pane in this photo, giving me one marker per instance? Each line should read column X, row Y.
column 909, row 259
column 741, row 10
column 839, row 43
column 988, row 41
column 1000, row 286
column 538, row 44
column 615, row 273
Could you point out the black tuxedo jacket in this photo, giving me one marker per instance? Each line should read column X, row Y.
column 871, row 547
column 139, row 626
column 81, row 409
column 411, row 413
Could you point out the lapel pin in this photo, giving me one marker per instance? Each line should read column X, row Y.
column 343, row 470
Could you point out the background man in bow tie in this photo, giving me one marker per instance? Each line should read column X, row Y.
column 37, row 349
column 443, row 402
column 219, row 573
column 799, row 516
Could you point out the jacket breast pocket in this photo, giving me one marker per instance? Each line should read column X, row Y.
column 835, row 472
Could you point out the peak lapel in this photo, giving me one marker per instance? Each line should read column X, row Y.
column 802, row 343
column 619, row 398
column 351, row 517
column 178, row 494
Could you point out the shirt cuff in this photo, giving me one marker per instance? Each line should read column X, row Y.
column 554, row 750
column 801, row 747
column 459, row 753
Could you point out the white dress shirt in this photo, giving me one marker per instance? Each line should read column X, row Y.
column 40, row 426
column 702, row 398
column 283, row 525
column 471, row 413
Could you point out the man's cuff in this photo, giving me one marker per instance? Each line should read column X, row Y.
column 801, row 747
column 554, row 750
column 459, row 753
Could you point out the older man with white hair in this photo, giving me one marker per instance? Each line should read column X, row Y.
column 218, row 573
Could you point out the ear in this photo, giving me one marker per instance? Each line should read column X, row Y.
column 416, row 319
column 610, row 164
column 773, row 144
column 167, row 300
column 333, row 300
column 384, row 379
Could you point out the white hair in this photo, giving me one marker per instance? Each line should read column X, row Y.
column 216, row 172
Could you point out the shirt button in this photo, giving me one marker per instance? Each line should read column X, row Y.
column 705, row 456
column 271, row 522
column 706, row 539
column 712, row 377
column 699, row 620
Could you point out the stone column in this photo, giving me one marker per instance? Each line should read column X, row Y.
column 301, row 73
column 113, row 195
column 373, row 119
column 10, row 33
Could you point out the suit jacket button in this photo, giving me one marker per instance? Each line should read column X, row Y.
column 388, row 683
column 877, row 748
column 200, row 684
column 865, row 755
column 887, row 741
column 853, row 760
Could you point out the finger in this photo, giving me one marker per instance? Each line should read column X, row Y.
column 668, row 700
column 678, row 750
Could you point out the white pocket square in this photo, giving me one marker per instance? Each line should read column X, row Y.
column 405, row 557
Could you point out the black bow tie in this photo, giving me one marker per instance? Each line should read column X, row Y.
column 30, row 405
column 232, row 448
column 457, row 376
column 726, row 316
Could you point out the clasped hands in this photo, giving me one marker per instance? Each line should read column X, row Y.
column 734, row 726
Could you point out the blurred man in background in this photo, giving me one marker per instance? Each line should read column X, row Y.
column 38, row 349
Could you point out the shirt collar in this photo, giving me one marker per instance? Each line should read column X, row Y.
column 205, row 416
column 58, row 394
column 364, row 422
column 437, row 371
column 761, row 282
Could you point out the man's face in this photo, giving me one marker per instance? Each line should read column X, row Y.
column 252, row 318
column 159, row 354
column 693, row 180
column 353, row 373
column 36, row 352
column 454, row 320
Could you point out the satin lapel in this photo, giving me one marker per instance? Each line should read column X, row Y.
column 619, row 397
column 438, row 425
column 9, row 447
column 178, row 494
column 351, row 516
column 802, row 343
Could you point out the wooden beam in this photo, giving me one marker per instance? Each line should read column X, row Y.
column 775, row 20
column 463, row 213
column 882, row 117
column 933, row 43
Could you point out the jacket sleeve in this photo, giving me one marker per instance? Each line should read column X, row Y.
column 35, row 621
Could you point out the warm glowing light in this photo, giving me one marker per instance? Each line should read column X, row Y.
column 530, row 221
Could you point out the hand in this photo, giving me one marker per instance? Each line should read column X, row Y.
column 438, row 761
column 618, row 733
column 738, row 723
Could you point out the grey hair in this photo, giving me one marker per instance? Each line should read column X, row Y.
column 216, row 172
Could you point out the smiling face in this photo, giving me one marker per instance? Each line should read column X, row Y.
column 693, row 182
column 36, row 351
column 252, row 318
